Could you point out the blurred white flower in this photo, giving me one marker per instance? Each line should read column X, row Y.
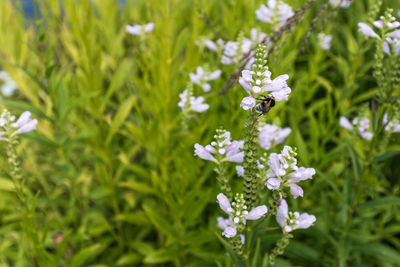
column 240, row 170
column 24, row 124
column 391, row 126
column 196, row 103
column 345, row 123
column 7, row 85
column 271, row 134
column 201, row 78
column 341, row 3
column 139, row 29
column 275, row 12
column 325, row 41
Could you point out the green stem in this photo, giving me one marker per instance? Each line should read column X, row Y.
column 251, row 176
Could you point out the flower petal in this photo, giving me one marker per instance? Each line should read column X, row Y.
column 257, row 213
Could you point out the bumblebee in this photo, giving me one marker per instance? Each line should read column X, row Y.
column 267, row 102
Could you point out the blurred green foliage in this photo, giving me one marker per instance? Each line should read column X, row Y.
column 113, row 171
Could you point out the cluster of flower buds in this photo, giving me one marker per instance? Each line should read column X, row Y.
column 389, row 30
column 9, row 128
column 222, row 149
column 201, row 77
column 276, row 12
column 361, row 124
column 283, row 172
column 257, row 82
column 238, row 214
column 139, row 29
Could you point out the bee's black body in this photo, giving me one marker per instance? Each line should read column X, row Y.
column 267, row 102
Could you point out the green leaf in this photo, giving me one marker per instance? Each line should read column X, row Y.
column 86, row 254
column 163, row 255
column 120, row 117
column 380, row 202
column 381, row 252
column 355, row 163
column 386, row 155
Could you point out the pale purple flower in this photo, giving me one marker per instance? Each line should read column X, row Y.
column 392, row 45
column 246, row 80
column 233, row 153
column 248, row 103
column 139, row 29
column 290, row 222
column 240, row 170
column 273, row 183
column 203, row 153
column 275, row 12
column 224, row 203
column 229, row 232
column 366, row 30
column 345, row 123
column 325, row 41
column 240, row 215
column 256, row 213
column 275, row 166
column 271, row 134
column 24, row 123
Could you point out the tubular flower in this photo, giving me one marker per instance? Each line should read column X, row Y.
column 223, row 147
column 283, row 171
column 257, row 82
column 24, row 124
column 7, row 85
column 290, row 221
column 238, row 214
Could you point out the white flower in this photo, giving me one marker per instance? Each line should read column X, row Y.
column 343, row 4
column 292, row 221
column 7, row 85
column 274, row 12
column 139, row 29
column 196, row 103
column 325, row 41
